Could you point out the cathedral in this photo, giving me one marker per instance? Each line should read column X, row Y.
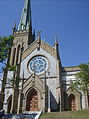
column 43, row 83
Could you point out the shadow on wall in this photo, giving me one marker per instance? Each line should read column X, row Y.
column 54, row 104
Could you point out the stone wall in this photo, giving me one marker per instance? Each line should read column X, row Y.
column 1, row 100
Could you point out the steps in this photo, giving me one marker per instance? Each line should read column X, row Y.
column 26, row 115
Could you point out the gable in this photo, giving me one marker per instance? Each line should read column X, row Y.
column 25, row 62
column 45, row 46
column 30, row 82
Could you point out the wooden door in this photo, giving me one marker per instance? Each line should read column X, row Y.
column 32, row 101
column 72, row 102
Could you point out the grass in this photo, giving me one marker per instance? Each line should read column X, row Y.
column 84, row 114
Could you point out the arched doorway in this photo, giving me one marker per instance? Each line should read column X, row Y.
column 72, row 102
column 32, row 101
column 9, row 102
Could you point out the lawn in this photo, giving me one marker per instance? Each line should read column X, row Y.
column 84, row 114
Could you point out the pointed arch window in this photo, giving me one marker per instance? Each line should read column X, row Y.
column 18, row 54
column 13, row 59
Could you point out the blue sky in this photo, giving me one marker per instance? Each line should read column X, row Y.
column 68, row 19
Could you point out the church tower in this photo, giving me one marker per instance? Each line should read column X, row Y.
column 23, row 36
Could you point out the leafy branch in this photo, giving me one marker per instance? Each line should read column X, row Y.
column 82, row 82
column 5, row 45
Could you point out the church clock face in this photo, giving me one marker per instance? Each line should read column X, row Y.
column 38, row 64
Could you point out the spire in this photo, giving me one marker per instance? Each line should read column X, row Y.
column 56, row 42
column 56, row 48
column 14, row 28
column 25, row 21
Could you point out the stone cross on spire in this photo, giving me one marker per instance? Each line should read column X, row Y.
column 25, row 21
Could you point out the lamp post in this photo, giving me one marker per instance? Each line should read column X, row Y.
column 49, row 104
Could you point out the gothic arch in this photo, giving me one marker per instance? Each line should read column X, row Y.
column 73, row 99
column 9, row 102
column 14, row 54
column 18, row 54
column 72, row 102
column 36, row 84
column 33, row 100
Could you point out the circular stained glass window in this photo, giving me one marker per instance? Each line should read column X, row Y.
column 38, row 64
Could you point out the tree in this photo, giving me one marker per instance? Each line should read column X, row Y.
column 15, row 80
column 83, row 78
column 82, row 82
column 5, row 46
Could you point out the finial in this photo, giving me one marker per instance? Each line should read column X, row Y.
column 56, row 42
column 56, row 47
column 38, row 34
column 14, row 28
column 38, row 40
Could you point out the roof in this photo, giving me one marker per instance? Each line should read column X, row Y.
column 25, row 20
column 70, row 69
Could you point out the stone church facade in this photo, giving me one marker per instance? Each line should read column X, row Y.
column 44, row 82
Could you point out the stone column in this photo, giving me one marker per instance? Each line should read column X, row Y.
column 86, row 101
column 20, row 102
column 44, row 93
column 49, row 104
column 14, row 104
column 59, row 95
column 21, row 96
column 24, row 104
column 15, row 95
column 49, row 101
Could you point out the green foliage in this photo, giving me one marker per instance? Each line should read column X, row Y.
column 15, row 82
column 82, row 82
column 84, row 74
column 11, row 68
column 5, row 45
column 73, row 85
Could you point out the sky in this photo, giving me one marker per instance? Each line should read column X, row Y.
column 66, row 19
